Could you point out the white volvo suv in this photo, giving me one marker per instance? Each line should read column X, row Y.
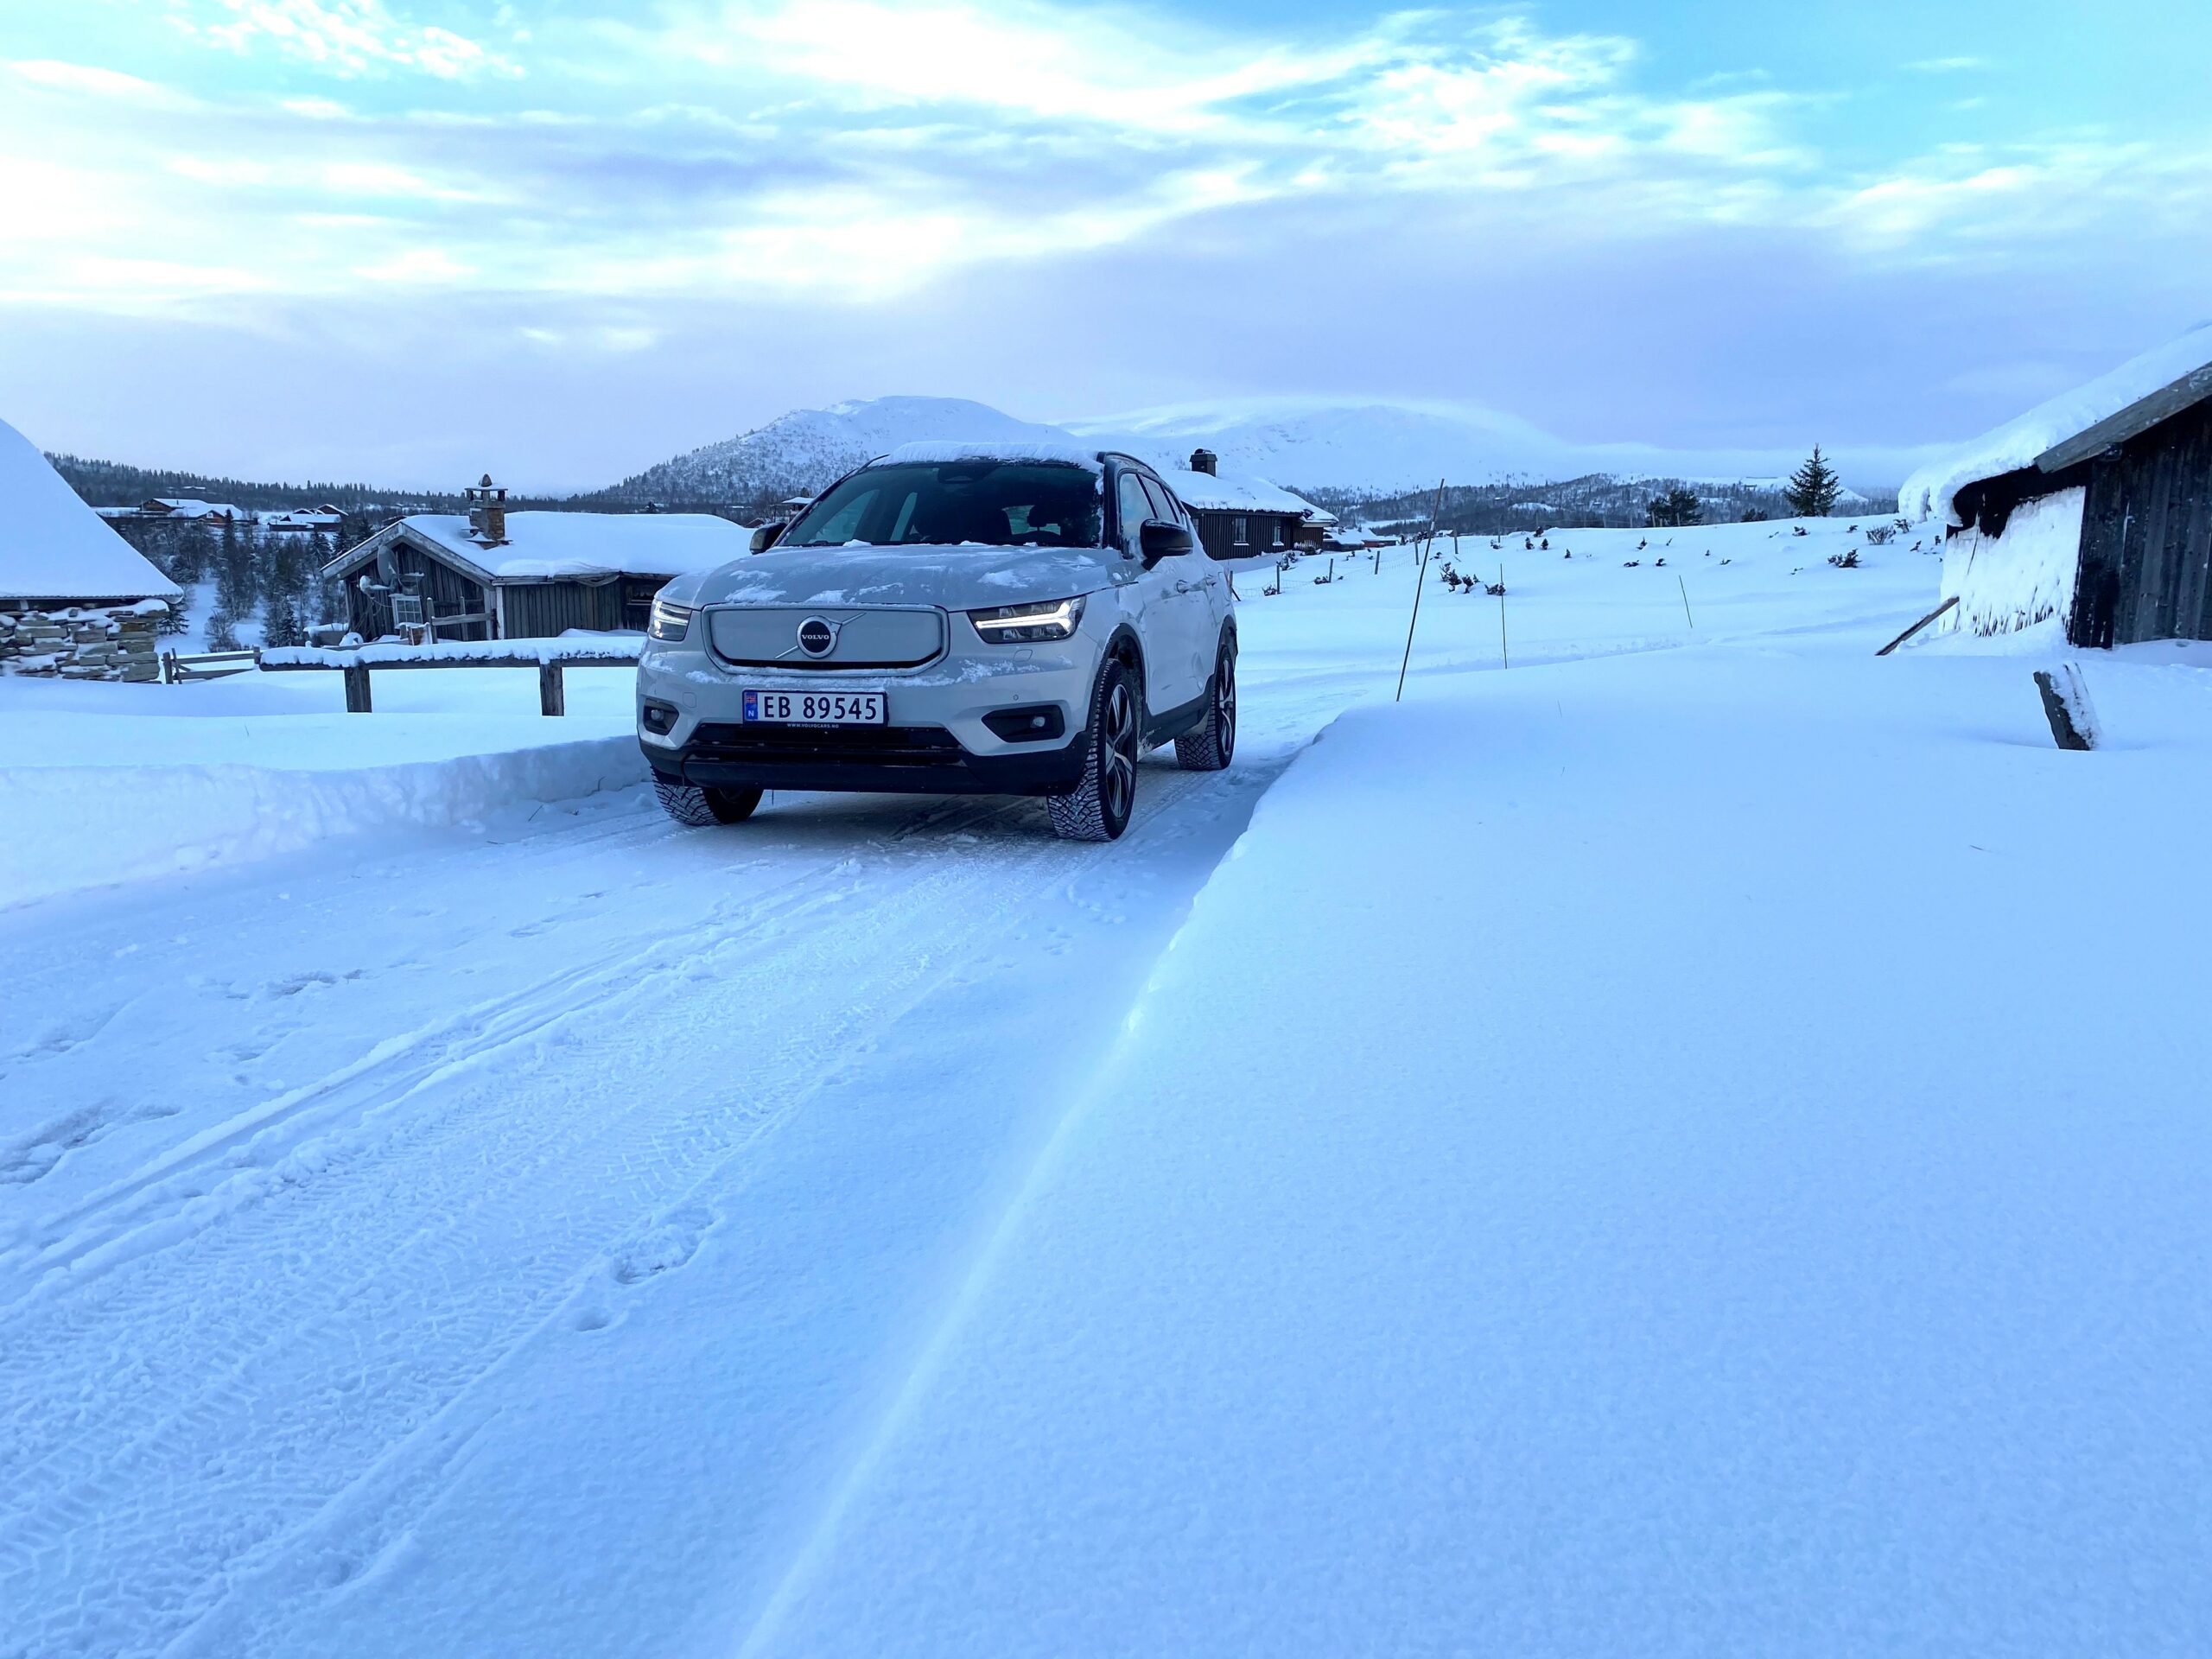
column 950, row 619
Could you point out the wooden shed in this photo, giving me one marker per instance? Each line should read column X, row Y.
column 2095, row 508
column 1244, row 517
column 496, row 575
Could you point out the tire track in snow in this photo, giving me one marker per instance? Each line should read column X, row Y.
column 381, row 1267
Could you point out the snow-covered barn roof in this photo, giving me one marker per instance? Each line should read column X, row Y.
column 1228, row 492
column 552, row 546
column 2073, row 427
column 52, row 546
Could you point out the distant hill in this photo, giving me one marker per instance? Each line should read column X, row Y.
column 1349, row 452
column 799, row 453
column 1344, row 456
column 115, row 484
column 1600, row 500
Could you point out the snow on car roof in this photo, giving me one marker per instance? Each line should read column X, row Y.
column 1931, row 491
column 52, row 546
column 1016, row 449
column 545, row 545
column 1229, row 492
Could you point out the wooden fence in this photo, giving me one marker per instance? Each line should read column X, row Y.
column 548, row 660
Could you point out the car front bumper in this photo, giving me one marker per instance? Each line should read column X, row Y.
column 935, row 740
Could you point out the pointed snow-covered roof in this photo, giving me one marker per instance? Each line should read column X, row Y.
column 2072, row 427
column 55, row 547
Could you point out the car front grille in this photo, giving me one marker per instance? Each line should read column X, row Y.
column 891, row 746
column 763, row 636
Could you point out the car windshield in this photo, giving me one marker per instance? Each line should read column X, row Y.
column 998, row 502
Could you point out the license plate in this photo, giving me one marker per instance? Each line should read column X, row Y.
column 814, row 707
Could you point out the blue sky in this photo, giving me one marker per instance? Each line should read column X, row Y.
column 407, row 239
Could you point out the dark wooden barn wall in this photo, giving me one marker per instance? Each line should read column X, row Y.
column 2147, row 539
column 537, row 610
column 451, row 593
column 1266, row 532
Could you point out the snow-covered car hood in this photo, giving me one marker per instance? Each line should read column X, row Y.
column 969, row 577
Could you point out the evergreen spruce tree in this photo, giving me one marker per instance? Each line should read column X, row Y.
column 1679, row 505
column 1813, row 488
column 280, row 624
column 195, row 552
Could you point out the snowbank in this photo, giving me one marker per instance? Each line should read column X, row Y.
column 1599, row 1173
column 52, row 546
column 104, row 783
column 66, row 828
column 1930, row 491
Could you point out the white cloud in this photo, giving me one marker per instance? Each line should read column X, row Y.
column 347, row 37
column 853, row 149
column 107, row 84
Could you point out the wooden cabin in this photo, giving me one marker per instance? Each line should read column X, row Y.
column 1244, row 517
column 2097, row 508
column 494, row 574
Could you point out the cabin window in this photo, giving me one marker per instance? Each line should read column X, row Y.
column 1241, row 532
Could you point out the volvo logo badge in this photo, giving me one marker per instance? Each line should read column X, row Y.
column 816, row 637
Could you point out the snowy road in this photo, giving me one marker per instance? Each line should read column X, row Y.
column 448, row 1116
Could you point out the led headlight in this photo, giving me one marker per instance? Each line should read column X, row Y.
column 1015, row 625
column 670, row 621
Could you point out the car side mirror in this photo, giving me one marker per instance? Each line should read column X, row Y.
column 764, row 537
column 1161, row 540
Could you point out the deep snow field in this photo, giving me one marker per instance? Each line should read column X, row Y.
column 1692, row 1143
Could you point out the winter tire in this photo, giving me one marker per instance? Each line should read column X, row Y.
column 1098, row 808
column 703, row 808
column 1210, row 747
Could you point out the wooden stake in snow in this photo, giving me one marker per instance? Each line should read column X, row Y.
column 1420, row 576
column 2065, row 705
column 1686, row 617
column 1504, row 657
column 1918, row 626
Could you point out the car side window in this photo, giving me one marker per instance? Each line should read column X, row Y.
column 1135, row 507
column 1163, row 503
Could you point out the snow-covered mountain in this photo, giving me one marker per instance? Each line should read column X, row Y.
column 1299, row 442
column 799, row 453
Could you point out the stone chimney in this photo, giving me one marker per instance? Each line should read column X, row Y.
column 488, row 511
column 1205, row 460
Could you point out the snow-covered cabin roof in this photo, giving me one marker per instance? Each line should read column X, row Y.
column 304, row 518
column 1016, row 449
column 1228, row 492
column 52, row 546
column 178, row 507
column 2070, row 428
column 552, row 546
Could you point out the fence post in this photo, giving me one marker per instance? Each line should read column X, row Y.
column 357, row 688
column 552, row 696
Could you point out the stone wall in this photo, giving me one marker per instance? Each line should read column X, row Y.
column 81, row 642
